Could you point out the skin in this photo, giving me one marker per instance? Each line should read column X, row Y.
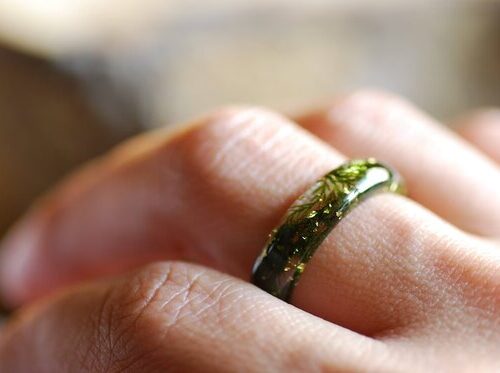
column 140, row 261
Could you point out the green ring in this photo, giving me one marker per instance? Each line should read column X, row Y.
column 311, row 218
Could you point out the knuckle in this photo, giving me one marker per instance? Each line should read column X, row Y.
column 230, row 153
column 198, row 140
column 370, row 99
column 373, row 108
column 140, row 313
column 228, row 134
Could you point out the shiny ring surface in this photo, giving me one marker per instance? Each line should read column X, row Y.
column 311, row 218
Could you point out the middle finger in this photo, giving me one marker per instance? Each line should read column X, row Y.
column 211, row 194
column 443, row 172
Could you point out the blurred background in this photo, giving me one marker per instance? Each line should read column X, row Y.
column 78, row 76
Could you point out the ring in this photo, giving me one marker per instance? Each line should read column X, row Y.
column 311, row 218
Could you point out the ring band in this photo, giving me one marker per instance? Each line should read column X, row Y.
column 311, row 218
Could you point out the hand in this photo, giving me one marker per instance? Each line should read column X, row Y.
column 401, row 284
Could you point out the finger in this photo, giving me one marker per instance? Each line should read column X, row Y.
column 482, row 128
column 218, row 185
column 443, row 172
column 179, row 317
column 221, row 186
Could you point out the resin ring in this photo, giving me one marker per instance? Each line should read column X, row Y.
column 311, row 218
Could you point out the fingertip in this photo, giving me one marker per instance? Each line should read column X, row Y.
column 17, row 257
